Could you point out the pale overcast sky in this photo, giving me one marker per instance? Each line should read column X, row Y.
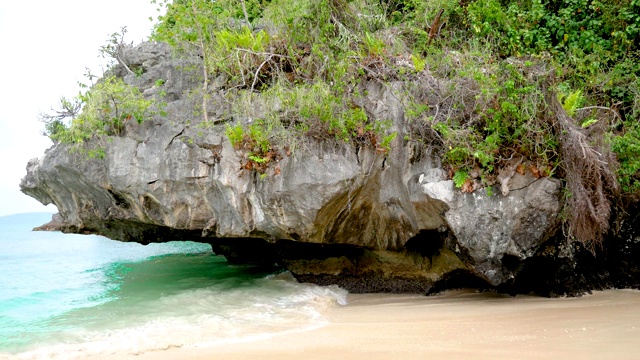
column 46, row 46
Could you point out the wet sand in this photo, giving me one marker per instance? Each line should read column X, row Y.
column 456, row 325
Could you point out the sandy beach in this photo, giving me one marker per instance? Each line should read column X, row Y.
column 455, row 325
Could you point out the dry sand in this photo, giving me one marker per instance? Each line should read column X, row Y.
column 456, row 325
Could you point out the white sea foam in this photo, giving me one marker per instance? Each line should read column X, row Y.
column 84, row 296
column 202, row 318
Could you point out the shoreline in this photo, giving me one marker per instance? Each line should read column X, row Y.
column 456, row 325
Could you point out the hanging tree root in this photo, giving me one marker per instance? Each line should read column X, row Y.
column 590, row 174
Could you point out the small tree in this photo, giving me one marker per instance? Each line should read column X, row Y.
column 114, row 48
column 103, row 109
column 189, row 23
column 55, row 122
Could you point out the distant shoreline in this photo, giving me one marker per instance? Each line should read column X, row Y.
column 28, row 213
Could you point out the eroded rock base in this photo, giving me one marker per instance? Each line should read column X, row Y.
column 353, row 268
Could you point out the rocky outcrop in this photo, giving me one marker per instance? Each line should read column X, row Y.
column 561, row 268
column 496, row 233
column 332, row 214
column 56, row 224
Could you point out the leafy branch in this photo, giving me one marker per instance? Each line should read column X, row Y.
column 114, row 48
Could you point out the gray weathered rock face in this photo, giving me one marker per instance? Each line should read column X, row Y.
column 498, row 232
column 367, row 221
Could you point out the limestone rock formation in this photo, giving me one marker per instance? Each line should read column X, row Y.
column 333, row 214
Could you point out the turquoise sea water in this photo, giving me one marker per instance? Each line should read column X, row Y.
column 74, row 296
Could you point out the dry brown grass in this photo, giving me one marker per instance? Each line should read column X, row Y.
column 590, row 173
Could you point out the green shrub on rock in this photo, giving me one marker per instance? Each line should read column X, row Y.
column 106, row 108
